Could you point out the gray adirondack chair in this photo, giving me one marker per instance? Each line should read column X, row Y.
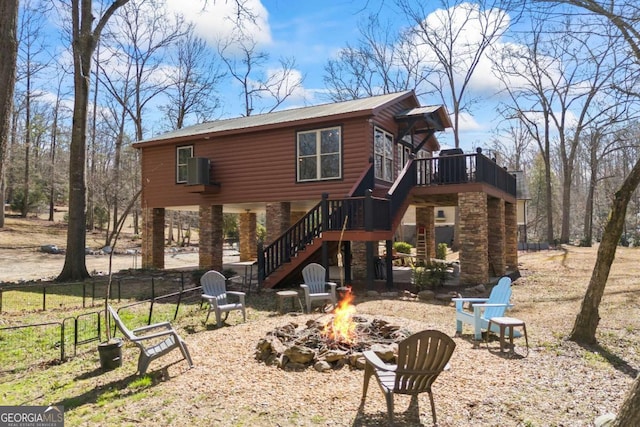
column 214, row 291
column 315, row 286
column 484, row 309
column 156, row 341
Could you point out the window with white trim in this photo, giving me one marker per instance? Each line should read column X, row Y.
column 383, row 154
column 182, row 155
column 319, row 154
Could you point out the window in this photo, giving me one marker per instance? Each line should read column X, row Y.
column 404, row 154
column 182, row 155
column 319, row 154
column 383, row 155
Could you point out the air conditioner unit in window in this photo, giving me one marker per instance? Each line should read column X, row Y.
column 198, row 171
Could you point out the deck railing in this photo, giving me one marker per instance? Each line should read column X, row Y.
column 463, row 169
column 370, row 213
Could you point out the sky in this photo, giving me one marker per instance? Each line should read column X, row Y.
column 313, row 32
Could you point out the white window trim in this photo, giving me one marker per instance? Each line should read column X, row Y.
column 318, row 154
column 384, row 158
column 178, row 164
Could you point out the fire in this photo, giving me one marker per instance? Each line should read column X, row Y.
column 343, row 328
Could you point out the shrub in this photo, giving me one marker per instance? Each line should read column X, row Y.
column 441, row 251
column 429, row 276
column 402, row 247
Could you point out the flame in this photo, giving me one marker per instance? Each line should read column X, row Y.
column 343, row 328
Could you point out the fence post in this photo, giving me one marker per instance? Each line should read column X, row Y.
column 44, row 298
column 62, row 340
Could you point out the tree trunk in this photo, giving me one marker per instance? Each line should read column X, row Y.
column 566, row 204
column 84, row 40
column 26, row 183
column 629, row 414
column 584, row 329
column 54, row 138
column 9, row 53
column 593, row 179
column 75, row 266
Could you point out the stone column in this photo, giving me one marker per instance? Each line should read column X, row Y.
column 474, row 262
column 248, row 242
column 359, row 260
column 153, row 238
column 511, row 236
column 425, row 224
column 495, row 215
column 278, row 220
column 211, row 238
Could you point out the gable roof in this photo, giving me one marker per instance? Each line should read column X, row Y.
column 281, row 118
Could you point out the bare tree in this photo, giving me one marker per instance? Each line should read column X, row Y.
column 456, row 39
column 133, row 75
column 246, row 65
column 31, row 61
column 84, row 37
column 192, row 82
column 55, row 129
column 514, row 144
column 381, row 62
column 526, row 74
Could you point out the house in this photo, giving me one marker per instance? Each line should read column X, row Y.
column 341, row 172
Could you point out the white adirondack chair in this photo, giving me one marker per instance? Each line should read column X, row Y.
column 214, row 291
column 315, row 287
column 156, row 341
column 484, row 309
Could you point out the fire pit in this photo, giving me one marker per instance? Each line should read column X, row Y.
column 330, row 342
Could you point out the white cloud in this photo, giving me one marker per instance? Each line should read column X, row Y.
column 468, row 123
column 468, row 24
column 215, row 20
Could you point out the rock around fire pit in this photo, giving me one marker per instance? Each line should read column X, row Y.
column 293, row 347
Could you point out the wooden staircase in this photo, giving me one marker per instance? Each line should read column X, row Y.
column 360, row 217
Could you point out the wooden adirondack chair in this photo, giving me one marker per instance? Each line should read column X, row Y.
column 158, row 340
column 315, row 286
column 214, row 291
column 484, row 308
column 421, row 358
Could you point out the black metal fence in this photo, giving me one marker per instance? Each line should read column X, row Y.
column 38, row 343
column 18, row 298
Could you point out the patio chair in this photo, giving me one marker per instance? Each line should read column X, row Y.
column 484, row 309
column 421, row 358
column 315, row 286
column 153, row 344
column 214, row 291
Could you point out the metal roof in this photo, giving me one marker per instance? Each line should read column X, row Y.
column 284, row 116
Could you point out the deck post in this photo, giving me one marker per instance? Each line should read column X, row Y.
column 389, row 263
column 370, row 265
